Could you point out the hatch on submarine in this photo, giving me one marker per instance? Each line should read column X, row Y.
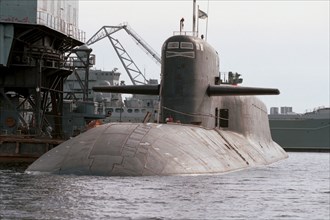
column 204, row 127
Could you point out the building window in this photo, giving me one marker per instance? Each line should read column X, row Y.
column 173, row 45
column 186, row 45
column 224, row 118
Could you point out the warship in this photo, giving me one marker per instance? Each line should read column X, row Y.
column 112, row 106
column 309, row 131
column 203, row 127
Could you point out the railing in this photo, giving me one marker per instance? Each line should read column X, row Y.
column 188, row 33
column 60, row 25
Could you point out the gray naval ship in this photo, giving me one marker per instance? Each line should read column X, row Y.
column 203, row 127
column 309, row 131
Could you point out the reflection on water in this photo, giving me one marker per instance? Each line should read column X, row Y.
column 296, row 188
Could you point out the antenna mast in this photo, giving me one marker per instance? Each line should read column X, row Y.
column 207, row 21
column 194, row 17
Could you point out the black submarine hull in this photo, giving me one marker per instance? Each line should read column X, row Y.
column 143, row 149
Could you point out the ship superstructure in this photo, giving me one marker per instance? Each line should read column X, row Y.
column 111, row 105
column 308, row 131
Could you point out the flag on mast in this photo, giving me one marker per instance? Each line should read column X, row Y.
column 201, row 14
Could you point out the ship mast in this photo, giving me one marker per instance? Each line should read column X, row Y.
column 194, row 18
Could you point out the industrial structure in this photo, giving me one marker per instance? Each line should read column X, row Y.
column 45, row 75
column 77, row 86
column 131, row 68
column 35, row 38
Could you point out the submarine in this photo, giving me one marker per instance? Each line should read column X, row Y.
column 203, row 127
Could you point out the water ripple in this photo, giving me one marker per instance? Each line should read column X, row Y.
column 293, row 189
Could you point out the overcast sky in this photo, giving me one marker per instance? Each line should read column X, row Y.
column 278, row 44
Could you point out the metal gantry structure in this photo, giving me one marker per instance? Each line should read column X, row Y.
column 131, row 68
column 31, row 82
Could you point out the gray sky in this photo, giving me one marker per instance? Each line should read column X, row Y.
column 279, row 44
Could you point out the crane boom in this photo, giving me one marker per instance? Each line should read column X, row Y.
column 143, row 44
column 104, row 32
column 131, row 68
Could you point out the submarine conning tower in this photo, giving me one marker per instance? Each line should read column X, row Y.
column 190, row 90
column 189, row 66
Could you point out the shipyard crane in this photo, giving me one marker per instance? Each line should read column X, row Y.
column 131, row 68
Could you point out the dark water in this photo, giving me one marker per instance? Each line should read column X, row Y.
column 297, row 188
